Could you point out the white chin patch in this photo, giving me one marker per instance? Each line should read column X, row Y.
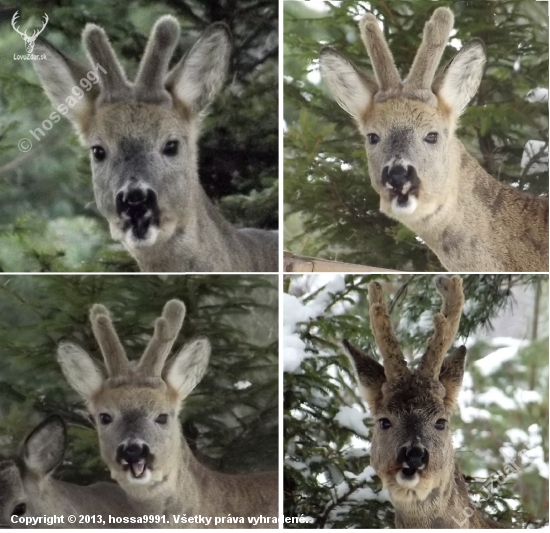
column 407, row 482
column 407, row 208
column 150, row 238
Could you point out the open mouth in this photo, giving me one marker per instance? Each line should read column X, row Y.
column 409, row 472
column 138, row 469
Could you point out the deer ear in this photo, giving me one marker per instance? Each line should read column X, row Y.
column 199, row 76
column 352, row 89
column 61, row 78
column 370, row 374
column 44, row 448
column 452, row 372
column 188, row 367
column 457, row 84
column 79, row 369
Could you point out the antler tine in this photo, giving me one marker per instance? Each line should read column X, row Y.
column 154, row 65
column 109, row 343
column 435, row 38
column 395, row 365
column 446, row 324
column 111, row 75
column 166, row 332
column 379, row 53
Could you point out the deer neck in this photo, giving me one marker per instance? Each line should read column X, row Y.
column 480, row 225
column 203, row 241
column 447, row 506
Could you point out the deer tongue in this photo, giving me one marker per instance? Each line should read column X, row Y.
column 138, row 468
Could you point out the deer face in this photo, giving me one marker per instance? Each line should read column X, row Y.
column 138, row 430
column 14, row 500
column 412, row 446
column 408, row 149
column 135, row 406
column 143, row 135
column 408, row 124
column 143, row 160
column 412, row 442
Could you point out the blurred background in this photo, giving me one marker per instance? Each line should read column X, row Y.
column 331, row 210
column 231, row 419
column 502, row 410
column 48, row 217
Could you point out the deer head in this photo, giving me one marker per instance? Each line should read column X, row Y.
column 29, row 40
column 412, row 448
column 142, row 135
column 135, row 406
column 21, row 476
column 409, row 124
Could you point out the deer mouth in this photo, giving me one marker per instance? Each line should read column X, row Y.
column 137, row 469
column 139, row 214
column 405, row 200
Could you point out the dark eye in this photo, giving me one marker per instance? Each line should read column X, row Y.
column 384, row 423
column 162, row 419
column 99, row 153
column 431, row 138
column 171, row 148
column 440, row 424
column 19, row 510
column 105, row 418
column 373, row 138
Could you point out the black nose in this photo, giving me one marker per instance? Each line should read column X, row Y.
column 396, row 176
column 132, row 453
column 416, row 457
column 135, row 202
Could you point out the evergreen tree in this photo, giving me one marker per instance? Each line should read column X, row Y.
column 328, row 478
column 48, row 220
column 331, row 209
column 231, row 419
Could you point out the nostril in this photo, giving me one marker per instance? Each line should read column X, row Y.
column 136, row 197
column 416, row 457
column 133, row 453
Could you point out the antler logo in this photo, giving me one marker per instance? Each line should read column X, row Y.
column 29, row 40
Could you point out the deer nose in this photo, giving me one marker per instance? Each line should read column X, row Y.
column 132, row 453
column 135, row 202
column 416, row 457
column 396, row 177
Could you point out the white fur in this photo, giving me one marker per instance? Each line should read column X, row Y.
column 407, row 482
column 408, row 209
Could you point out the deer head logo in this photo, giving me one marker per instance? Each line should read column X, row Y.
column 29, row 40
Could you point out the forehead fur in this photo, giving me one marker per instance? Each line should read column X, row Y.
column 136, row 119
column 129, row 396
column 413, row 394
column 398, row 111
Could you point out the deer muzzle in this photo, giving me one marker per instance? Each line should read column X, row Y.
column 137, row 206
column 135, row 458
column 403, row 185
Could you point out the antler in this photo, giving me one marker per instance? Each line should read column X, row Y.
column 446, row 324
column 109, row 343
column 13, row 19
column 154, row 64
column 435, row 37
column 395, row 365
column 112, row 78
column 382, row 61
column 166, row 332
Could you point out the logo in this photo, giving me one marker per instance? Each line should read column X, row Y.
column 29, row 40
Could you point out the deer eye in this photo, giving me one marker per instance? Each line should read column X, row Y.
column 105, row 418
column 19, row 510
column 384, row 423
column 99, row 153
column 431, row 138
column 373, row 138
column 171, row 148
column 440, row 424
column 161, row 419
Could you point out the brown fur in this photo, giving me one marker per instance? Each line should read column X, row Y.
column 414, row 404
column 470, row 220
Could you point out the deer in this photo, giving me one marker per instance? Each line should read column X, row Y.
column 28, row 490
column 423, row 174
column 412, row 450
column 30, row 40
column 135, row 406
column 143, row 142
